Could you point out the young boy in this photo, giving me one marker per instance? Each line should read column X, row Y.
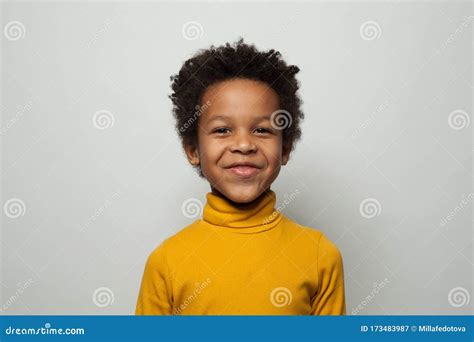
column 243, row 257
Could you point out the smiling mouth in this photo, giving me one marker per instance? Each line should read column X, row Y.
column 244, row 171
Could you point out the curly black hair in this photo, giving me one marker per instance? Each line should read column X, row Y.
column 230, row 61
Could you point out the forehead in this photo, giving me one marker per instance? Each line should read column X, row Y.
column 240, row 98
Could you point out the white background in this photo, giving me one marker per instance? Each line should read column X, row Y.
column 93, row 203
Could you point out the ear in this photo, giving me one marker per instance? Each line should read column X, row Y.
column 192, row 154
column 285, row 156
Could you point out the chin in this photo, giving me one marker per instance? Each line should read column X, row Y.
column 243, row 195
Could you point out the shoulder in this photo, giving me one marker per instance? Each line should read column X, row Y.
column 316, row 238
column 294, row 229
column 179, row 242
column 328, row 251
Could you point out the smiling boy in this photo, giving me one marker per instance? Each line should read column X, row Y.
column 243, row 257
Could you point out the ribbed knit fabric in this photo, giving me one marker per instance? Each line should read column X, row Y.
column 243, row 260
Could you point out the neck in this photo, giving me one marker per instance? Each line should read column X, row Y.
column 237, row 204
column 255, row 216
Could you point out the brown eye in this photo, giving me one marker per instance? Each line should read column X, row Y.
column 262, row 130
column 221, row 130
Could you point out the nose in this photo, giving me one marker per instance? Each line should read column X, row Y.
column 243, row 143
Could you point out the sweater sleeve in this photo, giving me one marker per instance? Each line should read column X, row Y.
column 155, row 292
column 329, row 298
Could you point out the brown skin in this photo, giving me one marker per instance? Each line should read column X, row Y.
column 239, row 137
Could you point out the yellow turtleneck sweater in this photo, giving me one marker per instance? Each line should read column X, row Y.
column 243, row 261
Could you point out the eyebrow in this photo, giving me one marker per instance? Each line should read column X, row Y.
column 224, row 117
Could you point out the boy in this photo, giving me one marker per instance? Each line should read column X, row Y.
column 243, row 257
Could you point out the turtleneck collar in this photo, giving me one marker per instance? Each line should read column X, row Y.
column 260, row 215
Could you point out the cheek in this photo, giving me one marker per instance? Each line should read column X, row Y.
column 273, row 153
column 210, row 152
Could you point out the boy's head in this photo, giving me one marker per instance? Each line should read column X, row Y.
column 237, row 113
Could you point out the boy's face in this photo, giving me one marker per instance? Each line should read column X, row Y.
column 236, row 129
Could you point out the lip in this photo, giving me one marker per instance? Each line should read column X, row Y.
column 244, row 170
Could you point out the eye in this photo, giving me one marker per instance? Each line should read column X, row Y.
column 262, row 130
column 220, row 130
